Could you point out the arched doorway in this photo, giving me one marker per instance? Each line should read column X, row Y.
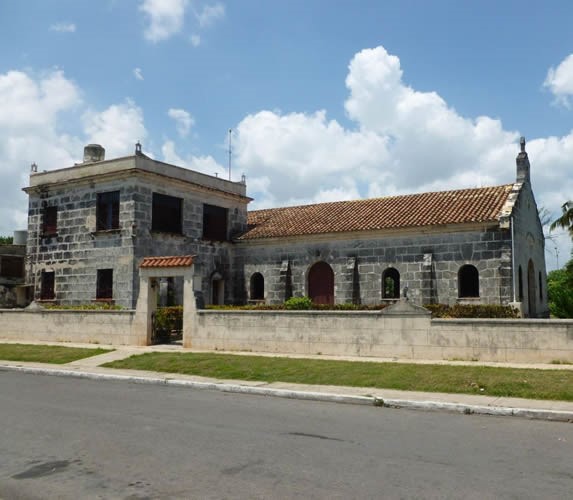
column 390, row 284
column 531, row 289
column 257, row 288
column 321, row 283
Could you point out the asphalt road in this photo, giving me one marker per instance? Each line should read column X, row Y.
column 73, row 438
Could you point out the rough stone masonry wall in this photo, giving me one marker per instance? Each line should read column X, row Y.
column 427, row 263
column 78, row 250
column 211, row 256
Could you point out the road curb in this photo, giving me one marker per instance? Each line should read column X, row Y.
column 466, row 409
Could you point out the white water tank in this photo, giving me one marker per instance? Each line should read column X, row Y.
column 20, row 237
column 94, row 152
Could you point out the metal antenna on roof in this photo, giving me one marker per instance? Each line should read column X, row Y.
column 230, row 153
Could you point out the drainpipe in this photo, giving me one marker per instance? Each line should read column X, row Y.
column 512, row 257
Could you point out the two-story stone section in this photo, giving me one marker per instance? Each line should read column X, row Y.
column 90, row 225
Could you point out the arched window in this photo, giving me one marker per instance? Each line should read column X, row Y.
column 321, row 283
column 257, row 289
column 520, row 287
column 540, row 289
column 390, row 284
column 468, row 282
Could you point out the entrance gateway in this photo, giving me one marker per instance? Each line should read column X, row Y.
column 150, row 270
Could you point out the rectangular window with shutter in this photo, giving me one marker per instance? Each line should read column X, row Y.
column 166, row 216
column 50, row 221
column 214, row 223
column 107, row 211
column 11, row 267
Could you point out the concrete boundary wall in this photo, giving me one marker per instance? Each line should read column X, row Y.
column 97, row 327
column 370, row 333
column 395, row 333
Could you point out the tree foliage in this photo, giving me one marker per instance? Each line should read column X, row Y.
column 6, row 240
column 566, row 219
column 560, row 291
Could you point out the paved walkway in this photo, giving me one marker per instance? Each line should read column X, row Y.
column 90, row 368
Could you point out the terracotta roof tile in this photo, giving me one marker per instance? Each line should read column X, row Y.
column 414, row 210
column 176, row 261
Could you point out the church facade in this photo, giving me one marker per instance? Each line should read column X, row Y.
column 91, row 225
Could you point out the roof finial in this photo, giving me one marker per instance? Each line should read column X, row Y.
column 522, row 143
column 137, row 148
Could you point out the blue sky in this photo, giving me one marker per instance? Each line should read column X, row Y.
column 326, row 99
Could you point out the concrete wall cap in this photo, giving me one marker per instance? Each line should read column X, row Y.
column 405, row 308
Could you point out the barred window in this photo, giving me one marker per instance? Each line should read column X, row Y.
column 391, row 284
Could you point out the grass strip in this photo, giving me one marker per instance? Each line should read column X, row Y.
column 491, row 381
column 46, row 353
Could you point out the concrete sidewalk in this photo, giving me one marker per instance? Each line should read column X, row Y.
column 462, row 403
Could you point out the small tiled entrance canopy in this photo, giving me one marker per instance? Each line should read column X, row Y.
column 176, row 261
column 152, row 268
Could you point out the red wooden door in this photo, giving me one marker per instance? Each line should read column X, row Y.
column 321, row 283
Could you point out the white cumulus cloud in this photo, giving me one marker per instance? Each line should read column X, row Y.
column 183, row 120
column 559, row 80
column 165, row 18
column 29, row 133
column 209, row 14
column 195, row 40
column 138, row 74
column 402, row 140
column 204, row 164
column 63, row 27
column 117, row 128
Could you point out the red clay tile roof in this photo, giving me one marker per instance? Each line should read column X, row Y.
column 177, row 261
column 414, row 210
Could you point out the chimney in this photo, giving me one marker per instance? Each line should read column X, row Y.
column 522, row 162
column 93, row 153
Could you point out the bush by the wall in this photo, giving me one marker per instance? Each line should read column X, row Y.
column 298, row 303
column 169, row 318
column 98, row 306
column 472, row 311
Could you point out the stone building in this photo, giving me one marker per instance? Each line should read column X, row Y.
column 13, row 290
column 91, row 225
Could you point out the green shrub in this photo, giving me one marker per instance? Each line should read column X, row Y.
column 248, row 307
column 472, row 311
column 298, row 303
column 98, row 306
column 169, row 318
